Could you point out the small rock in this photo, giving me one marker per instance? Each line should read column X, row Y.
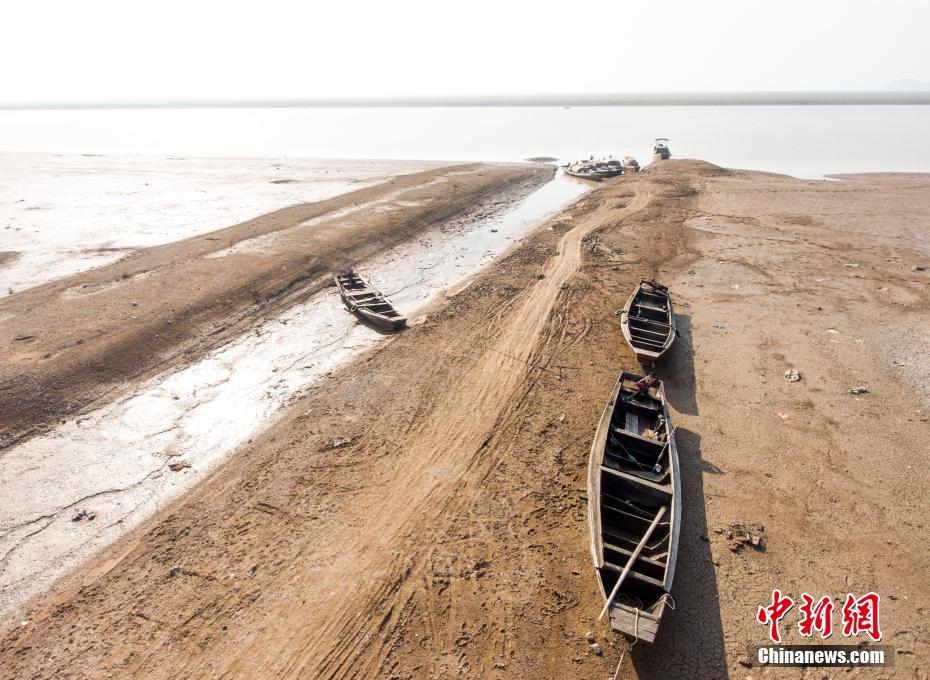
column 918, row 268
column 744, row 661
column 791, row 375
column 596, row 648
column 589, row 636
column 174, row 571
column 178, row 466
column 862, row 389
column 84, row 514
column 500, row 665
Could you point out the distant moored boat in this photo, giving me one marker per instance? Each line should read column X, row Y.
column 661, row 151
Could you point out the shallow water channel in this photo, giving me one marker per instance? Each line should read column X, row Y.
column 115, row 462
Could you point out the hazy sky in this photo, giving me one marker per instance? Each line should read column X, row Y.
column 191, row 49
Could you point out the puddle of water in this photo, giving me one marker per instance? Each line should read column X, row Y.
column 115, row 460
column 84, row 290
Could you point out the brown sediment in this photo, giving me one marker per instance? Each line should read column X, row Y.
column 422, row 513
column 8, row 256
column 92, row 332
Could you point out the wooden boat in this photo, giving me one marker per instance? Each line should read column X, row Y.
column 367, row 303
column 613, row 167
column 661, row 151
column 634, row 506
column 648, row 321
column 583, row 171
column 630, row 164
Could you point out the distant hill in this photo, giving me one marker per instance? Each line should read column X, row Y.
column 909, row 84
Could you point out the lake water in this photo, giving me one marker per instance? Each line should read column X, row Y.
column 805, row 141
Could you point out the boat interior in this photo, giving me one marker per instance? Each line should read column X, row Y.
column 638, row 438
column 648, row 321
column 628, row 507
column 382, row 308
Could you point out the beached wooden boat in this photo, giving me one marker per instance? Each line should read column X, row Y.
column 634, row 506
column 648, row 321
column 367, row 303
column 583, row 171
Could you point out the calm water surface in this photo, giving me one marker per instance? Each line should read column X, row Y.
column 806, row 141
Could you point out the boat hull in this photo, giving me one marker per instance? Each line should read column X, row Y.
column 368, row 304
column 590, row 176
column 645, row 595
column 648, row 331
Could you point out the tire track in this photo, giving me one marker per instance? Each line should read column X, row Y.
column 367, row 574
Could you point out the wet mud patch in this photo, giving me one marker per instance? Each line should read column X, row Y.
column 85, row 289
column 7, row 256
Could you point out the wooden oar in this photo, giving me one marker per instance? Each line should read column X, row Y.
column 629, row 563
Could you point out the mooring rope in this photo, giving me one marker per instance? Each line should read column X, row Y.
column 628, row 646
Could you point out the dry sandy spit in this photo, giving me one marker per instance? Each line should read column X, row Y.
column 422, row 513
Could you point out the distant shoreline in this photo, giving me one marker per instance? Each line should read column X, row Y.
column 853, row 98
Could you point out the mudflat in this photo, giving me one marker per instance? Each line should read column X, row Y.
column 422, row 512
column 78, row 339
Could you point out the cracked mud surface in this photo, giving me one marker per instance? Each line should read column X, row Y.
column 422, row 512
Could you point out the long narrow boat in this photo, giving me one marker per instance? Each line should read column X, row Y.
column 648, row 321
column 583, row 171
column 634, row 489
column 367, row 303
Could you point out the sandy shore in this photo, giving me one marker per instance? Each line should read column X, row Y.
column 422, row 512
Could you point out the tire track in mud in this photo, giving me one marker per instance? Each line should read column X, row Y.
column 369, row 574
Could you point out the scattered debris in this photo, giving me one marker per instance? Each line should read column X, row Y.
column 562, row 418
column 783, row 416
column 832, row 330
column 741, row 535
column 918, row 268
column 179, row 465
column 84, row 514
column 339, row 443
column 791, row 375
column 744, row 661
column 717, row 325
column 850, row 264
column 862, row 389
column 23, row 337
column 494, row 231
